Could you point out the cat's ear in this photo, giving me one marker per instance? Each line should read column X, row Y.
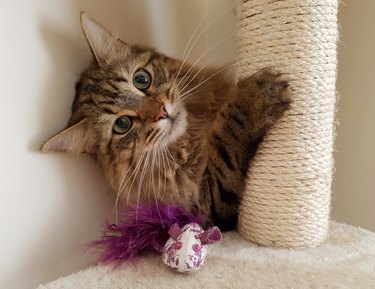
column 100, row 40
column 74, row 139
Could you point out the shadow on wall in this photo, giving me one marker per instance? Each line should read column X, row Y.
column 67, row 59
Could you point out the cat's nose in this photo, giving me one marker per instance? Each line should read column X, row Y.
column 162, row 113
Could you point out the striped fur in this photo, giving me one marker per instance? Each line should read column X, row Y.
column 199, row 155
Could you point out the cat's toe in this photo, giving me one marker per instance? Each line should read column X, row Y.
column 276, row 91
column 275, row 84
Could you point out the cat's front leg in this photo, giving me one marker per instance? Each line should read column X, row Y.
column 240, row 126
column 263, row 98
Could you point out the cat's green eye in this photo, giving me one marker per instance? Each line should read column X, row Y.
column 122, row 124
column 141, row 79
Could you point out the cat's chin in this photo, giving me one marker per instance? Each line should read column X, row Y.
column 175, row 126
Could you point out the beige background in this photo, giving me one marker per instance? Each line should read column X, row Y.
column 52, row 204
column 354, row 179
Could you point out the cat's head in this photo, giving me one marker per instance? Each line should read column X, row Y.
column 127, row 101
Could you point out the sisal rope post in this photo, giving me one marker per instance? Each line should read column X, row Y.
column 287, row 198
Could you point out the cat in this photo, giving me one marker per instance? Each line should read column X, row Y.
column 164, row 131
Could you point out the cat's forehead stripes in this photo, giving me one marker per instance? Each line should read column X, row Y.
column 112, row 84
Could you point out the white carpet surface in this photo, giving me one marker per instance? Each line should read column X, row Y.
column 346, row 260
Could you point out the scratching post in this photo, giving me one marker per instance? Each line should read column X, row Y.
column 287, row 197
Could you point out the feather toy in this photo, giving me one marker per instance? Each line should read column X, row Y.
column 141, row 229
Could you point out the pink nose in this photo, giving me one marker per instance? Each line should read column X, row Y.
column 162, row 113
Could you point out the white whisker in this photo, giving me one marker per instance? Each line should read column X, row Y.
column 153, row 183
column 121, row 188
column 200, row 57
column 185, row 57
column 140, row 180
column 207, row 79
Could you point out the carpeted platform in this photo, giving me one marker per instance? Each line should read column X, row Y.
column 346, row 260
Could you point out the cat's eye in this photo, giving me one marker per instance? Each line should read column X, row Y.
column 122, row 124
column 141, row 79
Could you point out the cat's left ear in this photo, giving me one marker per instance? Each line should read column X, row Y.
column 74, row 139
column 100, row 40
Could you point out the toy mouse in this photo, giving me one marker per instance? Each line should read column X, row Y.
column 186, row 248
column 146, row 228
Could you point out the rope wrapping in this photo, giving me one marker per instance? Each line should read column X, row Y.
column 287, row 198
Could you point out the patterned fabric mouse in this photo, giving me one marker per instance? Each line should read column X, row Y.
column 186, row 249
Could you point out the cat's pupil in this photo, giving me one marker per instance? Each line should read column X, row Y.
column 141, row 79
column 122, row 124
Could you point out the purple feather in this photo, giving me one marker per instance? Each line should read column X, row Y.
column 141, row 230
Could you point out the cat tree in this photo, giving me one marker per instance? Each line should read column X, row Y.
column 287, row 200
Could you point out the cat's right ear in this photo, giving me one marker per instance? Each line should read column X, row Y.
column 100, row 40
column 73, row 139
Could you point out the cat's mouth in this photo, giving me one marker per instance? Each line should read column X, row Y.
column 175, row 124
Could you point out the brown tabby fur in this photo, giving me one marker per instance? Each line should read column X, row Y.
column 202, row 168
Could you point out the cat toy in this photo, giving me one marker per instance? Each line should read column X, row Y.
column 167, row 229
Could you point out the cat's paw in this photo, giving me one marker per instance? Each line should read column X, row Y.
column 275, row 92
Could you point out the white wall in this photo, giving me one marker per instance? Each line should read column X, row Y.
column 354, row 180
column 52, row 204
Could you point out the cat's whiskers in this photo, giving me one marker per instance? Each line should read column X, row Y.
column 134, row 175
column 159, row 167
column 185, row 57
column 141, row 178
column 197, row 39
column 185, row 96
column 119, row 191
column 151, row 173
column 164, row 167
column 194, row 65
column 188, row 81
column 169, row 153
column 135, row 171
column 155, row 156
column 123, row 185
column 207, row 79
column 123, row 179
column 166, row 156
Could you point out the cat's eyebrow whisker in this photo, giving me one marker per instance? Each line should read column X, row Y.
column 191, row 79
column 204, row 54
column 186, row 47
column 187, row 82
column 185, row 96
column 198, row 37
column 207, row 79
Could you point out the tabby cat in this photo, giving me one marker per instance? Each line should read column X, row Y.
column 165, row 131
